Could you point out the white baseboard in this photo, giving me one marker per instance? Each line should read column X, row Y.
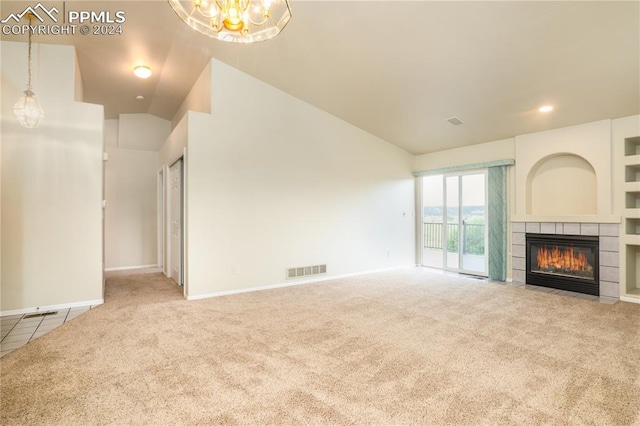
column 127, row 268
column 293, row 283
column 52, row 307
column 629, row 299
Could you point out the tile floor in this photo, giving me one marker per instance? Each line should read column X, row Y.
column 18, row 330
column 601, row 299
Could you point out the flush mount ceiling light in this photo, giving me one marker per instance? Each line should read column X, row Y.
column 27, row 110
column 142, row 71
column 546, row 108
column 235, row 21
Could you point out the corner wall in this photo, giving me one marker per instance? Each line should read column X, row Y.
column 198, row 99
column 275, row 183
column 51, row 186
column 473, row 154
column 131, row 180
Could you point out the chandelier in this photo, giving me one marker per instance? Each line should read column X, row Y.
column 27, row 110
column 235, row 21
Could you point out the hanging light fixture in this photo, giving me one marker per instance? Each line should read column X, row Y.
column 235, row 21
column 27, row 110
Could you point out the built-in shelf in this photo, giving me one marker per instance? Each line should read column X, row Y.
column 632, row 267
column 632, row 146
column 632, row 213
column 632, row 169
column 632, row 187
column 630, row 241
column 632, row 200
column 632, row 226
column 632, row 161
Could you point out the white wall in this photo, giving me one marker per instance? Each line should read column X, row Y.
column 274, row 182
column 131, row 212
column 111, row 130
column 78, row 95
column 199, row 97
column 131, row 174
column 592, row 142
column 51, row 186
column 175, row 144
column 474, row 154
column 142, row 131
column 563, row 185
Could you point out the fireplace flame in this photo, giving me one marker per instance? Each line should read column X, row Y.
column 562, row 258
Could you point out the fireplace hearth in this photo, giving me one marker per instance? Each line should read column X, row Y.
column 564, row 262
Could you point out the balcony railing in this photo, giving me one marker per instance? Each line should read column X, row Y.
column 472, row 237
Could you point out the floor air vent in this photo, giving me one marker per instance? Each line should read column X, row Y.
column 40, row 314
column 305, row 271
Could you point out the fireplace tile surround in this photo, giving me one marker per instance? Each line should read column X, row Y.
column 608, row 233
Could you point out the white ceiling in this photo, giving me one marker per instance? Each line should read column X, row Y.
column 396, row 69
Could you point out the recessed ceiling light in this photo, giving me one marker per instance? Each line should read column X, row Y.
column 140, row 97
column 142, row 71
column 545, row 108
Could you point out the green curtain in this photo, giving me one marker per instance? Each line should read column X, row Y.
column 497, row 230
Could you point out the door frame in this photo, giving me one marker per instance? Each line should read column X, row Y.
column 160, row 218
column 180, row 225
column 445, row 228
column 167, row 220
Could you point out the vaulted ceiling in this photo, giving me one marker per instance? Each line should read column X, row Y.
column 397, row 69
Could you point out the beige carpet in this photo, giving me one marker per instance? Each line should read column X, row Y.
column 403, row 347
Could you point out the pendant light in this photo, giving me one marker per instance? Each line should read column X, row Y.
column 27, row 110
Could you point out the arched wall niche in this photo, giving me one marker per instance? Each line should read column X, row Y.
column 562, row 184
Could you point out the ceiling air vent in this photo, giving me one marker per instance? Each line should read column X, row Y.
column 455, row 121
column 304, row 271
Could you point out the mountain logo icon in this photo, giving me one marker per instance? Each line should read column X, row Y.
column 38, row 11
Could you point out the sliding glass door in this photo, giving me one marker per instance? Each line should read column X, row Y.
column 454, row 222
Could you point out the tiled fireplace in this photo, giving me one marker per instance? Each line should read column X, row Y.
column 601, row 279
column 564, row 262
column 564, row 186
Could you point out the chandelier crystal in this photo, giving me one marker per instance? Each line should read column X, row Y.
column 235, row 21
column 27, row 110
